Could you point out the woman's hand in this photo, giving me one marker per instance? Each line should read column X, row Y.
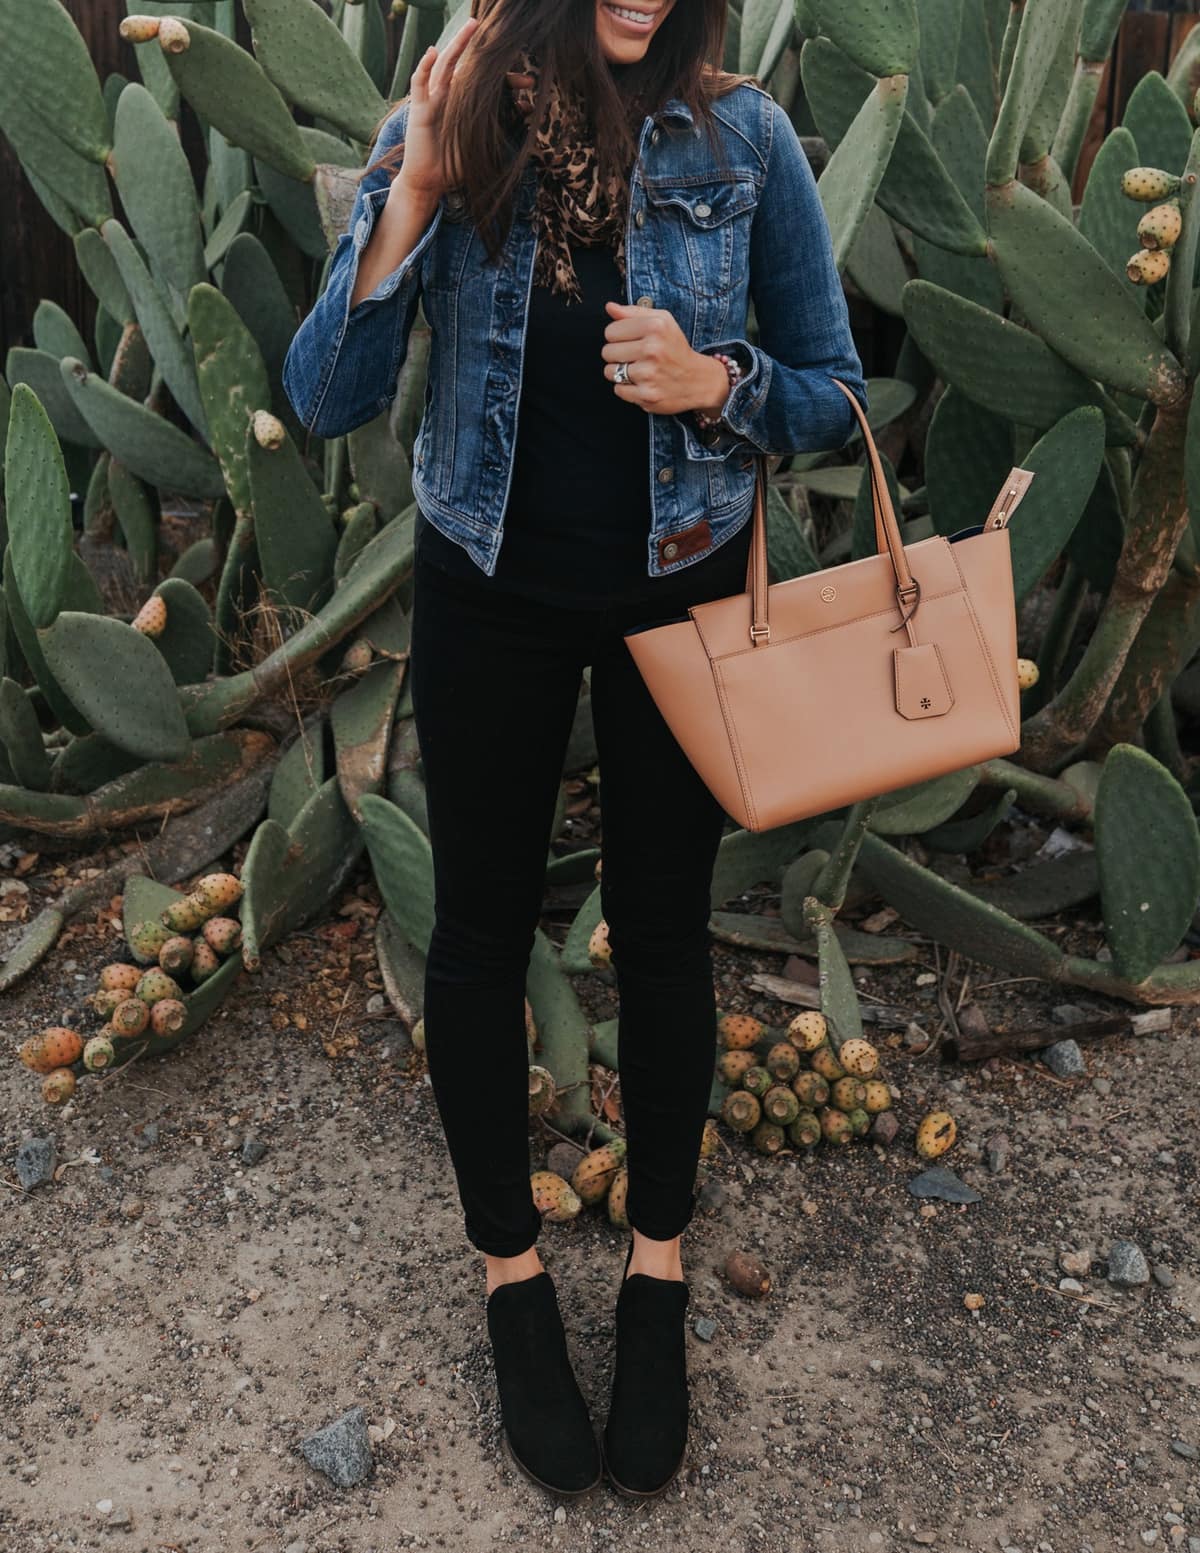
column 422, row 173
column 666, row 375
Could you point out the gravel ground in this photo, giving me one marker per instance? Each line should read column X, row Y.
column 176, row 1318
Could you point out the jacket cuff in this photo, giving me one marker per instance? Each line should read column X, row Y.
column 744, row 399
column 405, row 275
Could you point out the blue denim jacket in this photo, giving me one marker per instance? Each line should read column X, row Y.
column 699, row 242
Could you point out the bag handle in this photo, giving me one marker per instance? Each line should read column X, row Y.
column 887, row 536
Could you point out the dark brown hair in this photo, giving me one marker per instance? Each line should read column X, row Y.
column 486, row 147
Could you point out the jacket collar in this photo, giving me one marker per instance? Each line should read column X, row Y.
column 676, row 108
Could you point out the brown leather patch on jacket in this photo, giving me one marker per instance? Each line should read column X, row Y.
column 673, row 547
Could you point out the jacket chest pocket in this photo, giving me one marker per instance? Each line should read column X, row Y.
column 703, row 232
column 454, row 259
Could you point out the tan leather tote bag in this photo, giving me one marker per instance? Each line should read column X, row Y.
column 797, row 697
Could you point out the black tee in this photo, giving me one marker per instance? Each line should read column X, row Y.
column 577, row 522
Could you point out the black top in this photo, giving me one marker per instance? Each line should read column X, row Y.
column 577, row 522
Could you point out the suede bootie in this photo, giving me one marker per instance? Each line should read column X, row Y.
column 547, row 1428
column 645, row 1434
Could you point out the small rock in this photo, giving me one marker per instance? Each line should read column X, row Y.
column 132, row 1207
column 146, row 1135
column 1188, row 1452
column 1126, row 1264
column 253, row 1150
column 376, row 1003
column 711, row 1196
column 1150, row 1536
column 119, row 1520
column 299, row 1546
column 560, row 1515
column 1069, row 1014
column 884, row 1128
column 1077, row 1263
column 705, row 1328
column 1163, row 1276
column 1064, row 1059
column 940, row 1182
column 562, row 1159
column 997, row 1150
column 1102, row 1086
column 355, row 1231
column 1070, row 1285
column 35, row 1162
column 342, row 1449
column 104, row 1506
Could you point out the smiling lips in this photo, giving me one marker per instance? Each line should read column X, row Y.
column 631, row 16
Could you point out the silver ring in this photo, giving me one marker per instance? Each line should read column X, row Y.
column 621, row 375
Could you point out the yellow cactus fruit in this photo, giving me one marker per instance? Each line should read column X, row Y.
column 768, row 1137
column 747, row 1274
column 120, row 977
column 1027, row 674
column 542, row 1093
column 741, row 1111
column 173, row 36
column 1148, row 266
column 54, row 1048
column 710, row 1138
column 847, row 1093
column 269, row 430
column 858, row 1057
column 58, row 1087
column 805, row 1130
column 151, row 619
column 783, row 1060
column 594, row 1173
column 825, row 1062
column 599, row 952
column 835, row 1125
column 739, row 1032
column 935, row 1134
column 139, row 29
column 810, row 1089
column 808, row 1030
column 879, row 1097
column 618, row 1194
column 129, row 1018
column 731, row 1066
column 1160, row 227
column 98, row 1054
column 1148, row 184
column 553, row 1197
column 357, row 658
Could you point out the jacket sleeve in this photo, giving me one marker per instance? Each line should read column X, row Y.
column 343, row 362
column 787, row 401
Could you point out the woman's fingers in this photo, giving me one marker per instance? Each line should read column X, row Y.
column 447, row 58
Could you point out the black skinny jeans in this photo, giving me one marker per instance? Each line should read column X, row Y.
column 495, row 681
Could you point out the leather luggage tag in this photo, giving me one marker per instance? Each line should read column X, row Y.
column 922, row 689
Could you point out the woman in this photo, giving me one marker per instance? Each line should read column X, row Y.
column 585, row 210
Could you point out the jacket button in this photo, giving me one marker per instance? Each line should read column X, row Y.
column 703, row 210
column 665, row 476
column 670, row 550
column 645, row 302
column 640, row 218
column 655, row 135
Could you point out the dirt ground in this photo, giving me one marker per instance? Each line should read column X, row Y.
column 175, row 1319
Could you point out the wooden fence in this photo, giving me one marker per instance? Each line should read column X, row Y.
column 38, row 259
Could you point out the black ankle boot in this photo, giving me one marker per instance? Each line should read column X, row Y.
column 645, row 1435
column 546, row 1424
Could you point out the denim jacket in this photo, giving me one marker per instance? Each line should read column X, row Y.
column 700, row 242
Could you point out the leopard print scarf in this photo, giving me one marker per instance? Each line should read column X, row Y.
column 573, row 204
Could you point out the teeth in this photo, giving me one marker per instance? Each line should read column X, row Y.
column 641, row 17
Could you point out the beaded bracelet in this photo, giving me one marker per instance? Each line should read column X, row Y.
column 734, row 369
